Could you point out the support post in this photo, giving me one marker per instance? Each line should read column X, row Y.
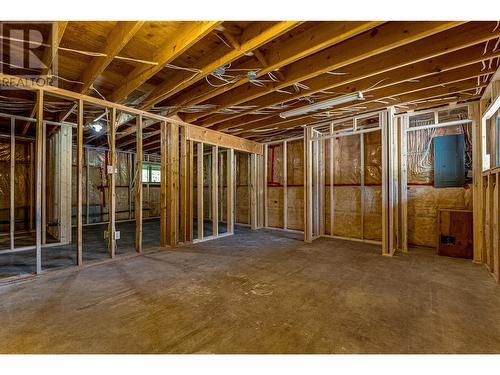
column 392, row 180
column 308, row 186
column 285, row 186
column 173, row 185
column 230, row 191
column 44, row 183
column 200, row 188
column 138, row 186
column 477, row 181
column 112, row 185
column 190, row 172
column 163, row 184
column 403, row 184
column 38, row 179
column 253, row 192
column 12, row 226
column 266, row 219
column 184, row 209
column 362, row 183
column 215, row 198
column 79, row 191
column 385, row 176
column 332, row 181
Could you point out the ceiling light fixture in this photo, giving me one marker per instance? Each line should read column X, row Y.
column 96, row 126
column 322, row 105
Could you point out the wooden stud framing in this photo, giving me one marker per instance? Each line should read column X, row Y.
column 322, row 189
column 477, row 180
column 230, row 191
column 332, row 181
column 183, row 171
column 79, row 188
column 44, row 183
column 199, row 189
column 163, row 185
column 173, row 184
column 138, row 186
column 214, row 189
column 496, row 226
column 285, row 186
column 266, row 221
column 253, row 210
column 385, row 193
column 12, row 220
column 392, row 187
column 112, row 185
column 38, row 179
column 403, row 182
column 190, row 184
column 308, row 186
column 362, row 183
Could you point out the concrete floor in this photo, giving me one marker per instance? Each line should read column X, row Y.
column 95, row 247
column 265, row 292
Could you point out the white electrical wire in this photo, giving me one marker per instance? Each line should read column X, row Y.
column 336, row 73
column 87, row 53
column 172, row 66
column 223, row 41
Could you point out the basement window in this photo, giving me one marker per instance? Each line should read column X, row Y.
column 151, row 173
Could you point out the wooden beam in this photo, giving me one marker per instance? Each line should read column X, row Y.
column 117, row 39
column 253, row 37
column 444, row 51
column 439, row 84
column 48, row 58
column 185, row 38
column 79, row 187
column 50, row 53
column 278, row 55
column 370, row 43
column 477, row 181
column 138, row 186
column 208, row 136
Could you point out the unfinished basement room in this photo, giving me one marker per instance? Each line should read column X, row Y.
column 250, row 187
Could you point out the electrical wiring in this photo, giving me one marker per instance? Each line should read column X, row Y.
column 136, row 60
column 336, row 73
column 222, row 40
column 273, row 77
column 65, row 79
column 87, row 53
column 376, row 84
column 176, row 67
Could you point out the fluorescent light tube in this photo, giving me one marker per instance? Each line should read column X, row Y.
column 322, row 105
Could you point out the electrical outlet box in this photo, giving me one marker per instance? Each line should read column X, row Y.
column 117, row 235
column 110, row 169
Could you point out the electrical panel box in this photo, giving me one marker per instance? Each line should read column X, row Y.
column 449, row 161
